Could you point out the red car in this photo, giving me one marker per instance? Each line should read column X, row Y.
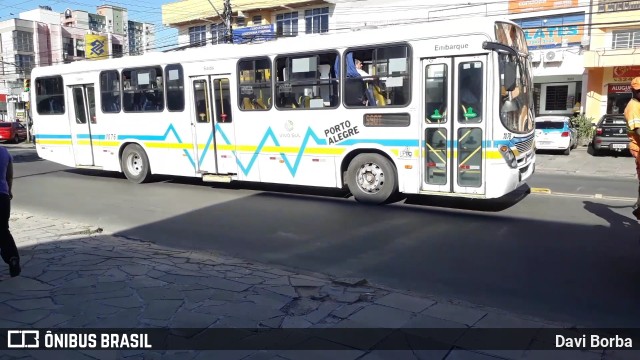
column 12, row 131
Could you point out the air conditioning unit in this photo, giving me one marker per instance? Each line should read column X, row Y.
column 553, row 56
column 536, row 56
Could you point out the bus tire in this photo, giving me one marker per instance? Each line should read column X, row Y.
column 135, row 164
column 372, row 178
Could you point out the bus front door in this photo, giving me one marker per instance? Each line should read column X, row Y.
column 82, row 119
column 213, row 122
column 454, row 125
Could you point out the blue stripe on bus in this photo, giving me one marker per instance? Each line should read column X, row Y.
column 52, row 136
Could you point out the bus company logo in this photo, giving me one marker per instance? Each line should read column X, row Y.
column 97, row 47
column 288, row 125
column 21, row 339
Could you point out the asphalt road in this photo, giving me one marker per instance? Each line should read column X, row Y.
column 557, row 257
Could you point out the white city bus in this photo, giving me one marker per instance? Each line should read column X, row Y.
column 442, row 108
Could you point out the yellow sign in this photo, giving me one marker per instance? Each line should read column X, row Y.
column 96, row 47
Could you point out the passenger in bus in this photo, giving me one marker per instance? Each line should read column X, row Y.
column 356, row 92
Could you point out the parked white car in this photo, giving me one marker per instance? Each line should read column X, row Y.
column 555, row 133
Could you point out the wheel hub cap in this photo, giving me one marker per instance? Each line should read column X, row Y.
column 370, row 178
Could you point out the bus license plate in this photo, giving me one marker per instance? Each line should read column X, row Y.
column 619, row 146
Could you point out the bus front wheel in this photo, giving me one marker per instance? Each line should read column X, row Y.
column 372, row 178
column 135, row 164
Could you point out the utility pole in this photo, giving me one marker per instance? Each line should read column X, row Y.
column 226, row 18
column 226, row 14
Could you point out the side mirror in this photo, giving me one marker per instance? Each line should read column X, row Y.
column 510, row 72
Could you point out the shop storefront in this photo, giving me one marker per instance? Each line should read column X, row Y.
column 618, row 95
column 558, row 66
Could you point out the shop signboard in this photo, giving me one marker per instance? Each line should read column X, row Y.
column 625, row 73
column 619, row 89
column 553, row 31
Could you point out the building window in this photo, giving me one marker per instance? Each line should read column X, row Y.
column 257, row 20
column 254, row 77
column 217, row 33
column 80, row 47
column 317, row 20
column 24, row 63
column 198, row 35
column 240, row 22
column 67, row 45
column 558, row 98
column 287, row 24
column 23, row 41
column 617, row 5
column 116, row 50
column 307, row 82
column 626, row 39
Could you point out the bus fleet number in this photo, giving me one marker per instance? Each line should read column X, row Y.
column 507, row 136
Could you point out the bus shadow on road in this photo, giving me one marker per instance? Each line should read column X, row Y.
column 486, row 205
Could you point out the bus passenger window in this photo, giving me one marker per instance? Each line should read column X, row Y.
column 254, row 79
column 175, row 87
column 307, row 82
column 384, row 72
column 201, row 97
column 470, row 92
column 50, row 95
column 143, row 90
column 110, row 91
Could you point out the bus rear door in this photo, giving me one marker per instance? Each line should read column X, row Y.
column 454, row 125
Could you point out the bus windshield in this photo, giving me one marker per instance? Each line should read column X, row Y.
column 515, row 105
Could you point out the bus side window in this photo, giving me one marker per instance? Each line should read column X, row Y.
column 50, row 95
column 145, row 92
column 175, row 87
column 110, row 91
column 304, row 82
column 387, row 78
column 201, row 101
column 254, row 79
column 437, row 93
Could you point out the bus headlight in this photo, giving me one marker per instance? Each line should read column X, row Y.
column 508, row 156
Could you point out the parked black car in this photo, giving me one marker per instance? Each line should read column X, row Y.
column 610, row 134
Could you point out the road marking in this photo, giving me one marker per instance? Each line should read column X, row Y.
column 541, row 190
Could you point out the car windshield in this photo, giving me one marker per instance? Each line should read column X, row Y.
column 549, row 125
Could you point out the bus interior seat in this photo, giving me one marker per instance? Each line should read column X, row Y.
column 354, row 92
column 246, row 104
column 260, row 103
column 380, row 100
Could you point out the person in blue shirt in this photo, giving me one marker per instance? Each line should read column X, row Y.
column 8, row 248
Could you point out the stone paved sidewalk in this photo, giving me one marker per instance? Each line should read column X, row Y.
column 581, row 162
column 76, row 276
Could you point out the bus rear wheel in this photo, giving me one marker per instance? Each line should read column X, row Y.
column 372, row 178
column 135, row 164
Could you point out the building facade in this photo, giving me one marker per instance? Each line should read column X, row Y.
column 613, row 58
column 43, row 37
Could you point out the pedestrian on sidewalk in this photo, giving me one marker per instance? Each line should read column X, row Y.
column 8, row 248
column 632, row 115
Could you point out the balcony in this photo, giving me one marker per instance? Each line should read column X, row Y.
column 611, row 57
column 617, row 5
